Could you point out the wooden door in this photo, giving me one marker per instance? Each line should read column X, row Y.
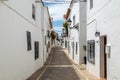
column 103, row 57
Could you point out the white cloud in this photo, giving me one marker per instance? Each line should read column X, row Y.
column 57, row 1
column 57, row 11
column 58, row 28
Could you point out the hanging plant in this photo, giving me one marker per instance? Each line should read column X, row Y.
column 65, row 25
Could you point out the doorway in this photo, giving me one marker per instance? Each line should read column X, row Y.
column 103, row 57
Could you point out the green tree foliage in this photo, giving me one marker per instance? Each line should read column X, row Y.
column 53, row 34
column 65, row 25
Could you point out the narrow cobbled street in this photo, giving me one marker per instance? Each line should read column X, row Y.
column 59, row 67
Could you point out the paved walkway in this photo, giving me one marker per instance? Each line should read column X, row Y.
column 57, row 67
column 60, row 67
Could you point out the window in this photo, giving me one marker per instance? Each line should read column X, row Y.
column 45, row 40
column 68, row 46
column 91, row 4
column 76, row 47
column 73, row 20
column 29, row 41
column 65, row 44
column 36, row 45
column 48, row 33
column 48, row 44
column 91, row 51
column 33, row 12
column 47, row 47
column 73, row 48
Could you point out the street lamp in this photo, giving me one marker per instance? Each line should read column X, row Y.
column 63, row 30
column 83, row 0
column 69, row 21
column 97, row 33
column 3, row 0
column 37, row 1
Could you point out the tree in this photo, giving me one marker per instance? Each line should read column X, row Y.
column 53, row 35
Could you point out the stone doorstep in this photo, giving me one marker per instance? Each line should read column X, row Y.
column 86, row 73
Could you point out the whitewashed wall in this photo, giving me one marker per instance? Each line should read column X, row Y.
column 46, row 27
column 16, row 63
column 43, row 32
column 82, row 31
column 107, row 15
column 74, row 38
column 79, row 11
column 93, row 68
column 74, row 32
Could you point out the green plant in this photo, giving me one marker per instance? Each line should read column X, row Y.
column 65, row 25
column 53, row 35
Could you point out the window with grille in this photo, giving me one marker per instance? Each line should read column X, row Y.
column 66, row 44
column 28, row 40
column 33, row 12
column 48, row 44
column 48, row 33
column 45, row 40
column 76, row 47
column 91, row 4
column 91, row 51
column 36, row 45
column 74, row 20
column 73, row 46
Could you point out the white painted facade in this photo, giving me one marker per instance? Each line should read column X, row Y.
column 104, row 17
column 74, row 33
column 16, row 63
column 44, row 30
column 78, row 36
column 47, row 27
column 82, row 30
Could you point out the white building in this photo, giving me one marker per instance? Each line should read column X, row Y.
column 49, row 42
column 77, row 30
column 74, row 31
column 21, row 50
column 103, row 30
column 49, row 28
column 46, row 30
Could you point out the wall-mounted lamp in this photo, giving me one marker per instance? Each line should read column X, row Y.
column 71, row 27
column 97, row 33
column 63, row 30
column 75, row 27
column 3, row 0
column 83, row 0
column 69, row 21
column 64, row 33
column 37, row 1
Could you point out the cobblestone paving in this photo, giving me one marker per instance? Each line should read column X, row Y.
column 59, row 67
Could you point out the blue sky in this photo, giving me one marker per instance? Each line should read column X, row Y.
column 57, row 10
